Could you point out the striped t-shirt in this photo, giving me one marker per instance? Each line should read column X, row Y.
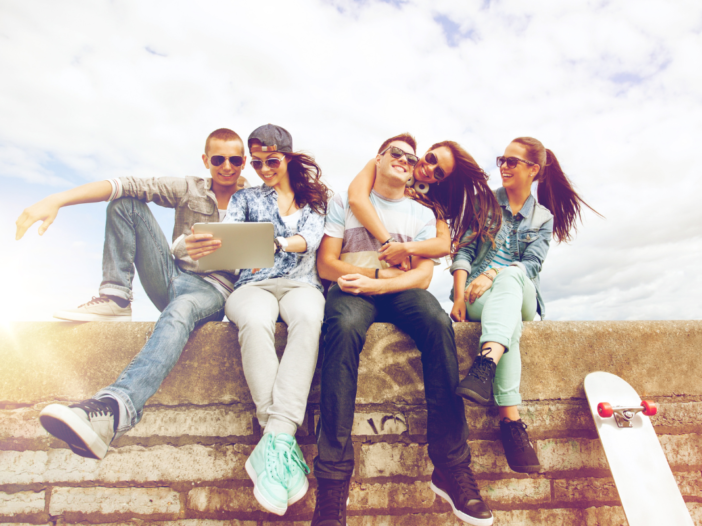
column 503, row 258
column 405, row 219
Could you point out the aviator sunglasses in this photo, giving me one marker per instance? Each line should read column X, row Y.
column 397, row 153
column 271, row 162
column 512, row 162
column 235, row 160
column 439, row 174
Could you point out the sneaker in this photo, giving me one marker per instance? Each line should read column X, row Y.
column 87, row 427
column 100, row 308
column 457, row 486
column 519, row 450
column 332, row 499
column 267, row 469
column 297, row 469
column 477, row 385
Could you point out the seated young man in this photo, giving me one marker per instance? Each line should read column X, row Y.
column 365, row 293
column 185, row 296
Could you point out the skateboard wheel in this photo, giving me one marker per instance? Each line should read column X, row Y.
column 649, row 407
column 422, row 188
column 604, row 409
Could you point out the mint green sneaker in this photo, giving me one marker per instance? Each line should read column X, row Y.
column 267, row 468
column 295, row 465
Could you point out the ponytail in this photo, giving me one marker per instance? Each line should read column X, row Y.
column 555, row 191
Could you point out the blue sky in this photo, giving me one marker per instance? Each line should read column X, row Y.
column 106, row 89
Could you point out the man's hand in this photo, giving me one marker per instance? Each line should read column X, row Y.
column 45, row 210
column 477, row 288
column 359, row 284
column 458, row 311
column 395, row 254
column 200, row 245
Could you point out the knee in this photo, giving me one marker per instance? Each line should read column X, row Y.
column 511, row 272
column 180, row 313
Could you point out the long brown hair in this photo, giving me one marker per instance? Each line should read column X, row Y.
column 305, row 180
column 554, row 190
column 464, row 200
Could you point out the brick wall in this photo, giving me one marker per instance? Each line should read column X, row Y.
column 184, row 463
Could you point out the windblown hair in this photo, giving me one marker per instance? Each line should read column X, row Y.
column 305, row 180
column 223, row 134
column 554, row 190
column 464, row 200
column 404, row 137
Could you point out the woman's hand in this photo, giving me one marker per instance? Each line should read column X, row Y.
column 395, row 253
column 477, row 288
column 458, row 311
column 200, row 245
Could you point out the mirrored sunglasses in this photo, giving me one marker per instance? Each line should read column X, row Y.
column 397, row 153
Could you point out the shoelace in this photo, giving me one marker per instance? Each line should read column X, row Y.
column 94, row 408
column 281, row 461
column 466, row 480
column 95, row 301
column 482, row 368
column 330, row 499
column 519, row 435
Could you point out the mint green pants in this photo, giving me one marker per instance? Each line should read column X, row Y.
column 511, row 299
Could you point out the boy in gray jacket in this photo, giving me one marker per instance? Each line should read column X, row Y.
column 185, row 296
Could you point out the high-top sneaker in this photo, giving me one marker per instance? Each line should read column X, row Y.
column 519, row 450
column 477, row 385
column 457, row 486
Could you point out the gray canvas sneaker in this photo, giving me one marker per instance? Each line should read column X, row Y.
column 99, row 308
column 87, row 427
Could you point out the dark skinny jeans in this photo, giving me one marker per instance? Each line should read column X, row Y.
column 346, row 321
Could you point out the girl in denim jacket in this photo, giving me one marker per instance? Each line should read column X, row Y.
column 498, row 283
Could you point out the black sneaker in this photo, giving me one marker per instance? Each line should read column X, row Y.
column 477, row 385
column 87, row 427
column 457, row 486
column 332, row 498
column 519, row 450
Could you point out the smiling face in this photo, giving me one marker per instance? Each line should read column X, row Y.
column 226, row 174
column 272, row 176
column 424, row 171
column 522, row 175
column 394, row 169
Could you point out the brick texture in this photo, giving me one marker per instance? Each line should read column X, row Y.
column 138, row 501
column 21, row 503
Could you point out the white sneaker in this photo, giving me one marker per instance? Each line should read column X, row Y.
column 99, row 308
column 87, row 427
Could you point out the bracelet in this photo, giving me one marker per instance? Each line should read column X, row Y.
column 390, row 240
column 376, row 273
column 485, row 273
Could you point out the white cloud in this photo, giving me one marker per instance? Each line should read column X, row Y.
column 98, row 90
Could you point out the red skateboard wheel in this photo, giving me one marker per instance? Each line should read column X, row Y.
column 649, row 407
column 604, row 409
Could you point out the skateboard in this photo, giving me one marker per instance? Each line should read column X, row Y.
column 646, row 485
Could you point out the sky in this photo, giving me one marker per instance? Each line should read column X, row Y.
column 102, row 89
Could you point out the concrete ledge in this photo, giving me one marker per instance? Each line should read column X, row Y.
column 183, row 464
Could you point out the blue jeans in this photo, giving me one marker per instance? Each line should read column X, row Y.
column 134, row 238
column 346, row 321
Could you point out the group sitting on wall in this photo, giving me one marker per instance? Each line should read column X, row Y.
column 377, row 245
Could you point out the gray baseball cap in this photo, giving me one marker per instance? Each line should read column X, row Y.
column 273, row 139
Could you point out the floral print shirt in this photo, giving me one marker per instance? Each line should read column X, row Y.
column 260, row 204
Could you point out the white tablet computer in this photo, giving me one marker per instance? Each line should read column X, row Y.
column 244, row 245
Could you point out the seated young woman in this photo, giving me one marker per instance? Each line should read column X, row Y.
column 498, row 283
column 456, row 190
column 294, row 199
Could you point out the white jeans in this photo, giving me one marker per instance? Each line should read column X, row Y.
column 279, row 389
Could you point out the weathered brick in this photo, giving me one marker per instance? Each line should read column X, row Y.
column 585, row 489
column 21, row 503
column 210, row 500
column 21, row 423
column 182, row 522
column 379, row 424
column 138, row 501
column 552, row 517
column 567, row 454
column 690, row 483
column 203, row 422
column 192, row 463
column 605, row 516
column 387, row 460
column 695, row 509
column 391, row 495
column 682, row 451
column 516, row 491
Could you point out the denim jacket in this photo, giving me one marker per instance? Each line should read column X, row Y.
column 529, row 237
column 260, row 204
column 193, row 200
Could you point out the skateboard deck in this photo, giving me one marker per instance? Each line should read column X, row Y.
column 646, row 485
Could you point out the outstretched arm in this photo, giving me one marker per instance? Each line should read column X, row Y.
column 437, row 247
column 359, row 201
column 47, row 209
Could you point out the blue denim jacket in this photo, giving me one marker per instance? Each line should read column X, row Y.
column 530, row 234
column 260, row 205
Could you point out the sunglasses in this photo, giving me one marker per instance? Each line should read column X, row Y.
column 218, row 160
column 397, row 153
column 512, row 162
column 271, row 162
column 439, row 174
